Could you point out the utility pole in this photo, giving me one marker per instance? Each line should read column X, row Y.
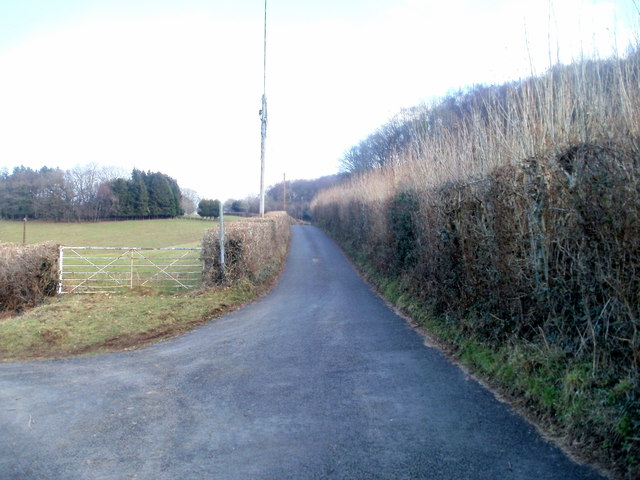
column 284, row 192
column 263, row 113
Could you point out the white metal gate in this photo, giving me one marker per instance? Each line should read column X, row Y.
column 112, row 269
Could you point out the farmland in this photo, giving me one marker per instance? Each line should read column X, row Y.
column 83, row 324
column 131, row 233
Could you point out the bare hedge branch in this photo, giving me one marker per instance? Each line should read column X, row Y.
column 254, row 249
column 513, row 214
column 28, row 273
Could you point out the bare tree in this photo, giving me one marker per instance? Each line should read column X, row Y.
column 84, row 182
column 189, row 201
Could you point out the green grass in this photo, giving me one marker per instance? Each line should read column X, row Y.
column 181, row 232
column 128, row 233
column 587, row 411
column 69, row 325
column 82, row 324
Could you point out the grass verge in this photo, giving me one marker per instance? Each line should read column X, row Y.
column 85, row 324
column 591, row 414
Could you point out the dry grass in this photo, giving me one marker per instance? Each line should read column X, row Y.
column 513, row 216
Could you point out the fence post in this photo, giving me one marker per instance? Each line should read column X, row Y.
column 60, row 268
column 222, row 239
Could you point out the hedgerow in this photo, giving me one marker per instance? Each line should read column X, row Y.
column 28, row 274
column 254, row 250
column 508, row 219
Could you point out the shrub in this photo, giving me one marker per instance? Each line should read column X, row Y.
column 254, row 249
column 28, row 273
column 512, row 216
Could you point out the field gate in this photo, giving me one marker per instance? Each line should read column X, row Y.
column 114, row 269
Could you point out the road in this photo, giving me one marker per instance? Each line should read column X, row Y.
column 317, row 380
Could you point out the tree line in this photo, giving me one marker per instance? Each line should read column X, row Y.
column 401, row 138
column 294, row 196
column 88, row 193
column 92, row 192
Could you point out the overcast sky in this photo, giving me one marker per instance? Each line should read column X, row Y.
column 175, row 85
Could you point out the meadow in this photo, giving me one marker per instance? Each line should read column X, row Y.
column 70, row 325
column 129, row 233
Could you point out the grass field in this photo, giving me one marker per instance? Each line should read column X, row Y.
column 69, row 325
column 128, row 233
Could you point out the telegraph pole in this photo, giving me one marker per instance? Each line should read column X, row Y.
column 263, row 113
column 284, row 192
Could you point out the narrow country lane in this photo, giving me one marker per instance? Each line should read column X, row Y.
column 317, row 380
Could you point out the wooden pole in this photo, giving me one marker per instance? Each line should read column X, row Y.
column 263, row 114
column 60, row 268
column 221, row 239
column 284, row 192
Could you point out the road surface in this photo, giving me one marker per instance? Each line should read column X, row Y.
column 317, row 380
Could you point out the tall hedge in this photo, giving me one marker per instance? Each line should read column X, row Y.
column 545, row 253
column 511, row 216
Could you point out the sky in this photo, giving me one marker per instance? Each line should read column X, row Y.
column 175, row 86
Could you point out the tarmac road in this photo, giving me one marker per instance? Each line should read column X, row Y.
column 317, row 380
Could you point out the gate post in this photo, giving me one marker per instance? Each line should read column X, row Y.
column 222, row 239
column 60, row 268
column 131, row 270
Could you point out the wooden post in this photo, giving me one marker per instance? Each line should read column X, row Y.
column 222, row 239
column 60, row 268
column 24, row 230
column 131, row 270
column 263, row 113
column 284, row 192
